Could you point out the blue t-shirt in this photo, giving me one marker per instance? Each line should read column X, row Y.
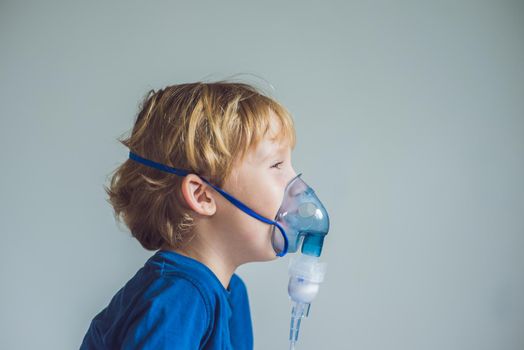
column 174, row 302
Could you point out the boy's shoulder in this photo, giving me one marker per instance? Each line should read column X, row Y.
column 150, row 288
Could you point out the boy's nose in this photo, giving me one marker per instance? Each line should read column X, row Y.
column 292, row 174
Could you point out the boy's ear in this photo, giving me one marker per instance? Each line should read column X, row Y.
column 198, row 195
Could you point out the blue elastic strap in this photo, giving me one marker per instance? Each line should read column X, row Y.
column 236, row 202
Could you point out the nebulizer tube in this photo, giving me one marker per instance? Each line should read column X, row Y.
column 297, row 313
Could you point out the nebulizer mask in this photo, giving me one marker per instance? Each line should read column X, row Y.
column 301, row 221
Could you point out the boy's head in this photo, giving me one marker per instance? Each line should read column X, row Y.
column 229, row 133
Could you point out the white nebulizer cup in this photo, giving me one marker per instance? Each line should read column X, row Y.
column 305, row 275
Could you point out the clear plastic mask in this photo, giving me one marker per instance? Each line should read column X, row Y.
column 302, row 219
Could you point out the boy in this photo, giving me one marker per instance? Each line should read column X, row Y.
column 187, row 295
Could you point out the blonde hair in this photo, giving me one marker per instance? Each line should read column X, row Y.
column 202, row 127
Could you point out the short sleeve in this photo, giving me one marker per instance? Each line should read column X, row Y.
column 173, row 317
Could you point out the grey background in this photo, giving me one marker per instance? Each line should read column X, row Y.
column 410, row 125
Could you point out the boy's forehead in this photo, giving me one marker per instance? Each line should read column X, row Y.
column 271, row 143
column 268, row 147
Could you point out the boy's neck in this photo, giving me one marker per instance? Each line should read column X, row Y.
column 213, row 259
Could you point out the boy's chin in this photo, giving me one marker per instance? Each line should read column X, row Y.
column 272, row 255
column 268, row 255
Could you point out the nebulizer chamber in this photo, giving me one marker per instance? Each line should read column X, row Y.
column 305, row 275
column 305, row 222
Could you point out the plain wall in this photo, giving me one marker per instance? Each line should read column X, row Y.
column 410, row 125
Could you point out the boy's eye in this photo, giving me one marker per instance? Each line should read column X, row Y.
column 276, row 165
